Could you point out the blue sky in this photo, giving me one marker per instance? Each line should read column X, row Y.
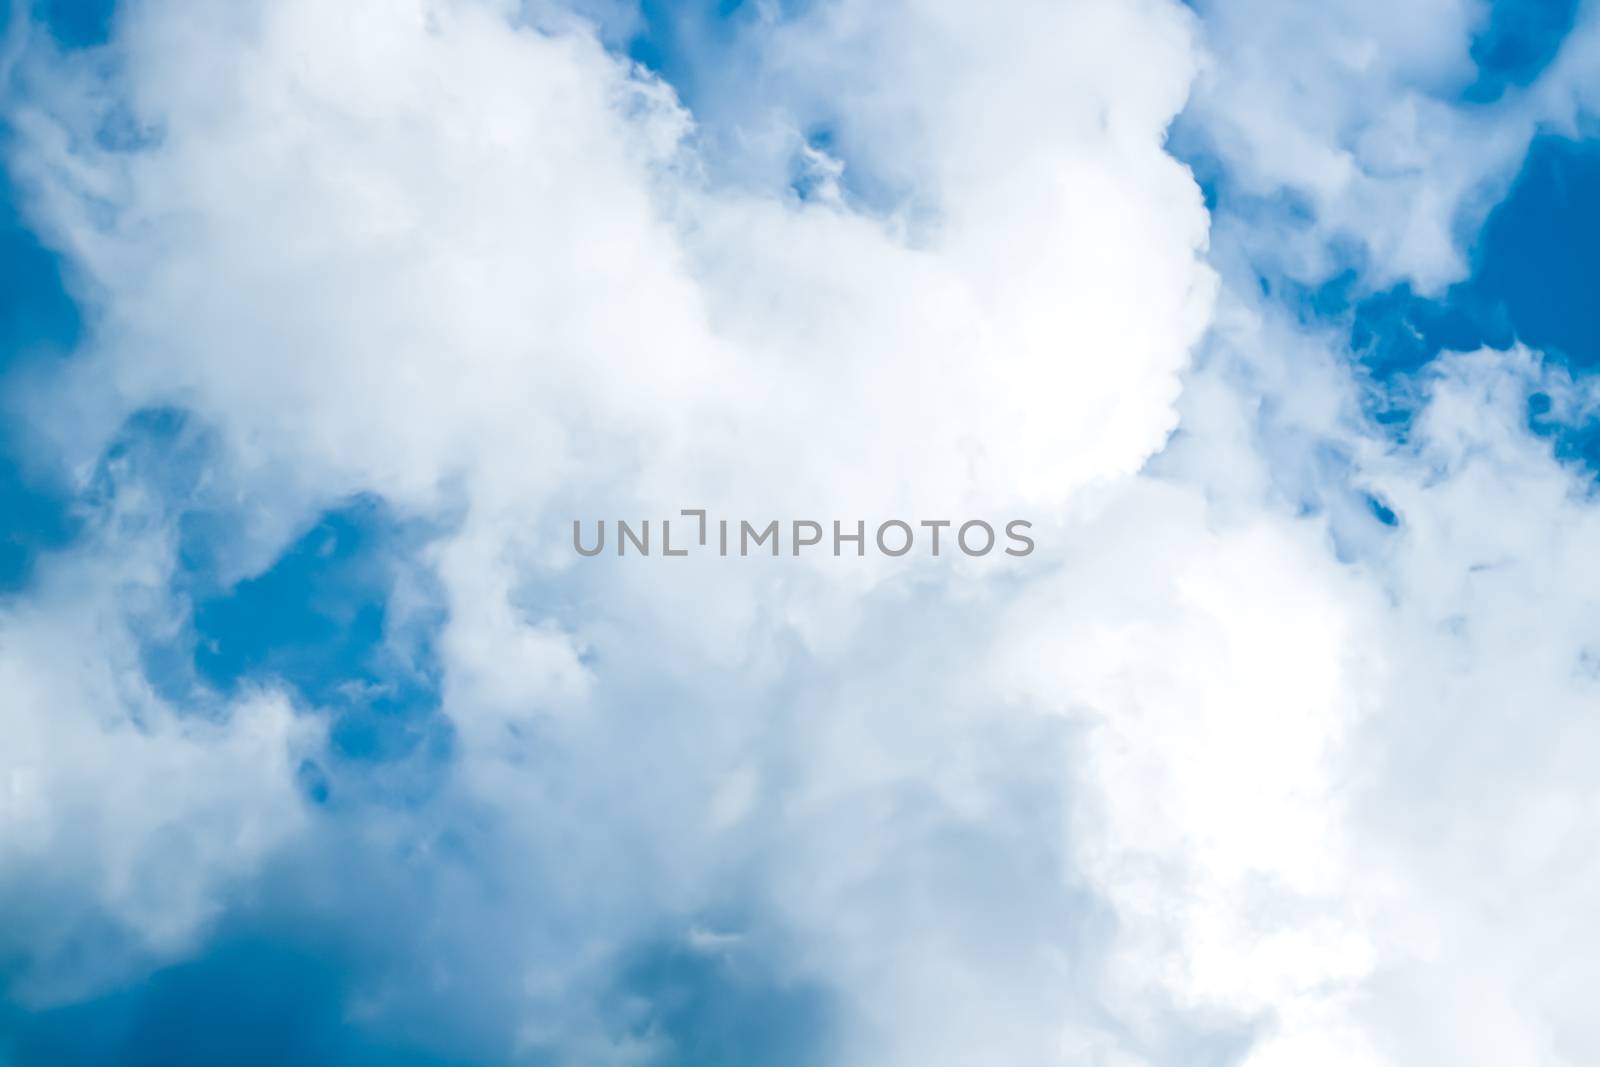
column 485, row 845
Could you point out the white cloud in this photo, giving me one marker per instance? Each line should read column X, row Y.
column 1181, row 779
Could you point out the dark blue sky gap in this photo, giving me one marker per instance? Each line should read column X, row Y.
column 273, row 999
column 248, row 1002
column 39, row 320
column 1517, row 43
column 1534, row 273
column 319, row 620
column 75, row 23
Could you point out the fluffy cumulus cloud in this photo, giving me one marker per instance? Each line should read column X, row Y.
column 1275, row 751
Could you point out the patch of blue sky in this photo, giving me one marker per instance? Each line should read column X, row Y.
column 271, row 992
column 74, row 23
column 38, row 321
column 1539, row 262
column 1535, row 268
column 1515, row 43
column 668, row 34
column 318, row 620
column 251, row 1001
column 321, row 620
column 35, row 515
